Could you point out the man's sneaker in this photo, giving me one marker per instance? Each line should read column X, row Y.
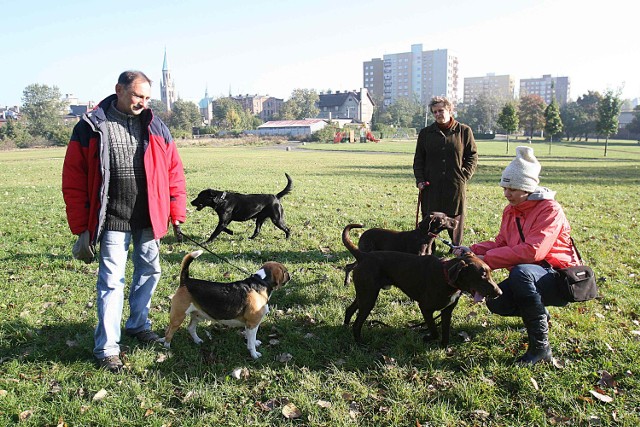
column 111, row 363
column 145, row 337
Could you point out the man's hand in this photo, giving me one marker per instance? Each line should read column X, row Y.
column 82, row 249
column 178, row 232
column 422, row 185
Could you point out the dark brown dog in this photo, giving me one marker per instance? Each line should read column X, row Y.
column 242, row 207
column 434, row 283
column 241, row 303
column 416, row 241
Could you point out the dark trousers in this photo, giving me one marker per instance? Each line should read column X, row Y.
column 527, row 285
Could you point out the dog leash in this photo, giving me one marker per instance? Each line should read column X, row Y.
column 446, row 242
column 214, row 254
column 426, row 183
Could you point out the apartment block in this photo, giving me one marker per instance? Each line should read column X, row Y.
column 501, row 87
column 266, row 107
column 417, row 74
column 547, row 87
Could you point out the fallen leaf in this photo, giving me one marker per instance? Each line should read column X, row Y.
column 148, row 412
column 100, row 395
column 323, row 404
column 240, row 373
column 354, row 410
column 61, row 423
column 601, row 397
column 84, row 408
column 606, row 380
column 347, row 396
column 388, row 360
column 3, row 393
column 284, row 357
column 72, row 343
column 465, row 336
column 290, row 411
column 24, row 415
column 479, row 413
column 535, row 383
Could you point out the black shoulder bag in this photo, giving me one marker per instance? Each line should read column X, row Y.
column 578, row 282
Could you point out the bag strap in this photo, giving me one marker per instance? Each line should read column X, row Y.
column 573, row 243
column 520, row 229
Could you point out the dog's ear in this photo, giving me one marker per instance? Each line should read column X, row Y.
column 456, row 268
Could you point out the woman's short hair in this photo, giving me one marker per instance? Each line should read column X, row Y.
column 440, row 100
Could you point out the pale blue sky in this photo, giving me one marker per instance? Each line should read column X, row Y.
column 273, row 47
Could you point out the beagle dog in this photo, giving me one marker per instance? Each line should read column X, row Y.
column 241, row 303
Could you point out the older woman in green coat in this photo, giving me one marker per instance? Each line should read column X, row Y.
column 445, row 159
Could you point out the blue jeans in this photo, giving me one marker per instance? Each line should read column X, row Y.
column 527, row 285
column 114, row 248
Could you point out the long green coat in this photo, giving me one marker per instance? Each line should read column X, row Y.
column 447, row 160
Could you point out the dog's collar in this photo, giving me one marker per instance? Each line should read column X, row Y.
column 445, row 270
column 222, row 196
column 261, row 280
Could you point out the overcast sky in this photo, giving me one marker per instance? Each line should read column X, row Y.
column 273, row 47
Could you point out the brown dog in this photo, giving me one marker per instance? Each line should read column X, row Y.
column 242, row 303
column 434, row 283
column 416, row 241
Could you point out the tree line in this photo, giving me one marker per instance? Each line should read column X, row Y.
column 591, row 115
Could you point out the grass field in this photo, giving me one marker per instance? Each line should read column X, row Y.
column 311, row 372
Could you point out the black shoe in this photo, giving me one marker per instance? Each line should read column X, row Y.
column 145, row 337
column 111, row 363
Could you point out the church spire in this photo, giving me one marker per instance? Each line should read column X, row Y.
column 165, row 67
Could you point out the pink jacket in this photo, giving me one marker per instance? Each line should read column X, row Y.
column 546, row 236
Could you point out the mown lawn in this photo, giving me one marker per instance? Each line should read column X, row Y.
column 311, row 372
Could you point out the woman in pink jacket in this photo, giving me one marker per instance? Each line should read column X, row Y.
column 533, row 241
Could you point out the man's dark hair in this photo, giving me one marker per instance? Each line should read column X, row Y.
column 128, row 77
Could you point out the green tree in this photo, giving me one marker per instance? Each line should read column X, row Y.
column 15, row 132
column 552, row 121
column 589, row 104
column 482, row 114
column 227, row 113
column 159, row 109
column 42, row 108
column 185, row 115
column 302, row 104
column 403, row 113
column 508, row 120
column 531, row 113
column 608, row 112
column 574, row 119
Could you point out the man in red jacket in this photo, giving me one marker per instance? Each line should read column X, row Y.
column 122, row 183
column 534, row 240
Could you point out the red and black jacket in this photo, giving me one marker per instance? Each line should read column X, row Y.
column 85, row 174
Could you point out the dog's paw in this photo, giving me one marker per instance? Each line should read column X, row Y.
column 197, row 340
column 258, row 343
column 255, row 354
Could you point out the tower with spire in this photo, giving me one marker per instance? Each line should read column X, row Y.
column 167, row 86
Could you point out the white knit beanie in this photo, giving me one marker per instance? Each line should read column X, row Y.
column 523, row 171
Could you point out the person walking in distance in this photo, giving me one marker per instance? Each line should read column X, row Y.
column 123, row 183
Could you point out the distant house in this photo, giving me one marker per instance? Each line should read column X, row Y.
column 357, row 106
column 290, row 127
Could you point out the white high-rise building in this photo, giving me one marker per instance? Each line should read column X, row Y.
column 418, row 74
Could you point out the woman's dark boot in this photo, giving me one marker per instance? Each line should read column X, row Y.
column 537, row 324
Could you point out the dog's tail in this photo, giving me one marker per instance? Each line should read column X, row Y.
column 286, row 189
column 184, row 267
column 357, row 253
